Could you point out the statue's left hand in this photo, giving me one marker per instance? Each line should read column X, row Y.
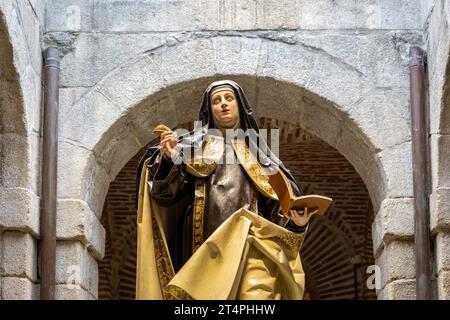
column 300, row 217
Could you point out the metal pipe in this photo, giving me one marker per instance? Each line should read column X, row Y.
column 49, row 175
column 420, row 173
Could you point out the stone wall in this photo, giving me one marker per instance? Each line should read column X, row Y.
column 339, row 66
column 336, row 68
column 21, row 29
column 438, row 47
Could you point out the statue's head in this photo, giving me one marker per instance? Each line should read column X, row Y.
column 224, row 106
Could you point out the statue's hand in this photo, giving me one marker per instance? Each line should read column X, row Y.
column 299, row 217
column 167, row 144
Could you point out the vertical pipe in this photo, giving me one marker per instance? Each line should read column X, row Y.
column 49, row 162
column 420, row 173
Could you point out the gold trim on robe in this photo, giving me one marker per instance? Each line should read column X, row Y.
column 225, row 265
column 245, row 248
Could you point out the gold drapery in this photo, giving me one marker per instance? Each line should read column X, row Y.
column 246, row 246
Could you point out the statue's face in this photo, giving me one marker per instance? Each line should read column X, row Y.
column 225, row 108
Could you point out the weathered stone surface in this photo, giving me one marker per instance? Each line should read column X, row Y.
column 236, row 57
column 12, row 117
column 440, row 161
column 397, row 164
column 443, row 252
column 437, row 56
column 19, row 210
column 19, row 257
column 144, row 77
column 31, row 86
column 76, row 221
column 444, row 285
column 18, row 289
column 86, row 121
column 97, row 54
column 378, row 111
column 72, row 292
column 375, row 55
column 71, row 15
column 397, row 261
column 76, row 267
column 194, row 15
column 440, row 210
column 31, row 31
column 394, row 220
column 91, row 181
column 179, row 64
column 348, row 14
column 23, row 153
column 399, row 290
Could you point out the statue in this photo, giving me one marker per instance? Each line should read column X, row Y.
column 209, row 223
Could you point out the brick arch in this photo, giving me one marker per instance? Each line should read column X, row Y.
column 331, row 243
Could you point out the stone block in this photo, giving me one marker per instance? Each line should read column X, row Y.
column 399, row 290
column 23, row 152
column 397, row 262
column 32, row 32
column 378, row 111
column 442, row 252
column 375, row 55
column 72, row 292
column 19, row 210
column 76, row 267
column 12, row 117
column 19, row 255
column 179, row 64
column 394, row 221
column 73, row 15
column 236, row 55
column 440, row 161
column 440, row 210
column 397, row 165
column 444, row 285
column 92, row 56
column 348, row 14
column 86, row 121
column 286, row 62
column 31, row 88
column 75, row 221
column 157, row 16
column 80, row 176
column 144, row 78
column 18, row 289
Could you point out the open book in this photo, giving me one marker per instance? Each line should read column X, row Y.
column 314, row 203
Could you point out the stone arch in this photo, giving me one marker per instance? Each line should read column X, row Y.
column 331, row 243
column 19, row 124
column 328, row 97
column 20, row 89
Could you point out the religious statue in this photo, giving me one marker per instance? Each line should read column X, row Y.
column 209, row 221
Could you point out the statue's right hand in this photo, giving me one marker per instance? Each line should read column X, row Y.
column 167, row 144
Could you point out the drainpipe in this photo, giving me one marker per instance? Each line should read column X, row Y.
column 420, row 173
column 47, row 246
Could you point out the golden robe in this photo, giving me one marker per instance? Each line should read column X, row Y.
column 246, row 257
